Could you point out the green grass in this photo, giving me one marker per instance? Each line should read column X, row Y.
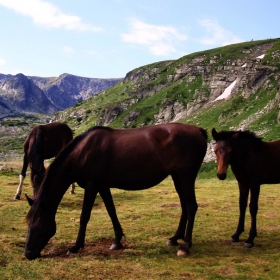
column 148, row 218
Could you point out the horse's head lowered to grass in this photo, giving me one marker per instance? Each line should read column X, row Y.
column 41, row 227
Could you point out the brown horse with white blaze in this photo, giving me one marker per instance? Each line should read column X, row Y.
column 253, row 162
column 43, row 142
column 133, row 159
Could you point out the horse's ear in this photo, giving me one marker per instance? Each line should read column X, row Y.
column 215, row 134
column 30, row 201
column 236, row 134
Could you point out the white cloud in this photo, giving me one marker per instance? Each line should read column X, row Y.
column 68, row 49
column 46, row 14
column 216, row 34
column 160, row 40
column 162, row 49
column 92, row 52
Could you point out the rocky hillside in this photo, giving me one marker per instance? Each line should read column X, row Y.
column 21, row 94
column 233, row 87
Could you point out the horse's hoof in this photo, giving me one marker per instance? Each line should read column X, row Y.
column 73, row 250
column 184, row 249
column 182, row 253
column 172, row 243
column 248, row 245
column 116, row 246
column 234, row 239
column 17, row 197
column 70, row 252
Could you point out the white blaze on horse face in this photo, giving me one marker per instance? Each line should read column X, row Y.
column 223, row 153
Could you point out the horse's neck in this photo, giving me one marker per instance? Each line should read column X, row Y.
column 244, row 152
column 56, row 187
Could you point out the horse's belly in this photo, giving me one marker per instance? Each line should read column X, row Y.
column 272, row 180
column 136, row 183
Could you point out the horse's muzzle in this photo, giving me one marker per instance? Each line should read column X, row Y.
column 222, row 176
column 32, row 256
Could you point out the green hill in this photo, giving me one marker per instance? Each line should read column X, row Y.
column 184, row 90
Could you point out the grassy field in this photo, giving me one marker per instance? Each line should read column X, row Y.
column 148, row 218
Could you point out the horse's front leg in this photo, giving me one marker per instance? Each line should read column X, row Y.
column 109, row 204
column 243, row 201
column 255, row 191
column 89, row 198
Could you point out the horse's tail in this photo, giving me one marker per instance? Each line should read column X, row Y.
column 203, row 132
column 69, row 134
column 36, row 159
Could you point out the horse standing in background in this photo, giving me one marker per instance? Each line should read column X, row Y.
column 132, row 159
column 43, row 142
column 253, row 162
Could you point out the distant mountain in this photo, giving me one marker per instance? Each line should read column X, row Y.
column 26, row 94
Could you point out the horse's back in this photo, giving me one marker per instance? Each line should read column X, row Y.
column 55, row 136
column 166, row 138
column 269, row 162
column 48, row 139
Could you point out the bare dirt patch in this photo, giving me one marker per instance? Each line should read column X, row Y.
column 98, row 248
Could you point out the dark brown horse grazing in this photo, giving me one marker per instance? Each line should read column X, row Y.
column 43, row 142
column 253, row 162
column 133, row 159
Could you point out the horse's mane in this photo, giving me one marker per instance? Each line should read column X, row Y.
column 65, row 152
column 250, row 135
column 40, row 202
column 241, row 135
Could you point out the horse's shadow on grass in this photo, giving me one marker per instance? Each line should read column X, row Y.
column 220, row 248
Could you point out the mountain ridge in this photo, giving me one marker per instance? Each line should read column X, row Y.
column 31, row 94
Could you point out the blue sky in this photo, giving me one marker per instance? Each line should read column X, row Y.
column 108, row 38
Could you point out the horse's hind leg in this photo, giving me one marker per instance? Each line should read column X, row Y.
column 255, row 191
column 186, row 191
column 109, row 204
column 89, row 198
column 19, row 189
column 72, row 189
column 21, row 178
